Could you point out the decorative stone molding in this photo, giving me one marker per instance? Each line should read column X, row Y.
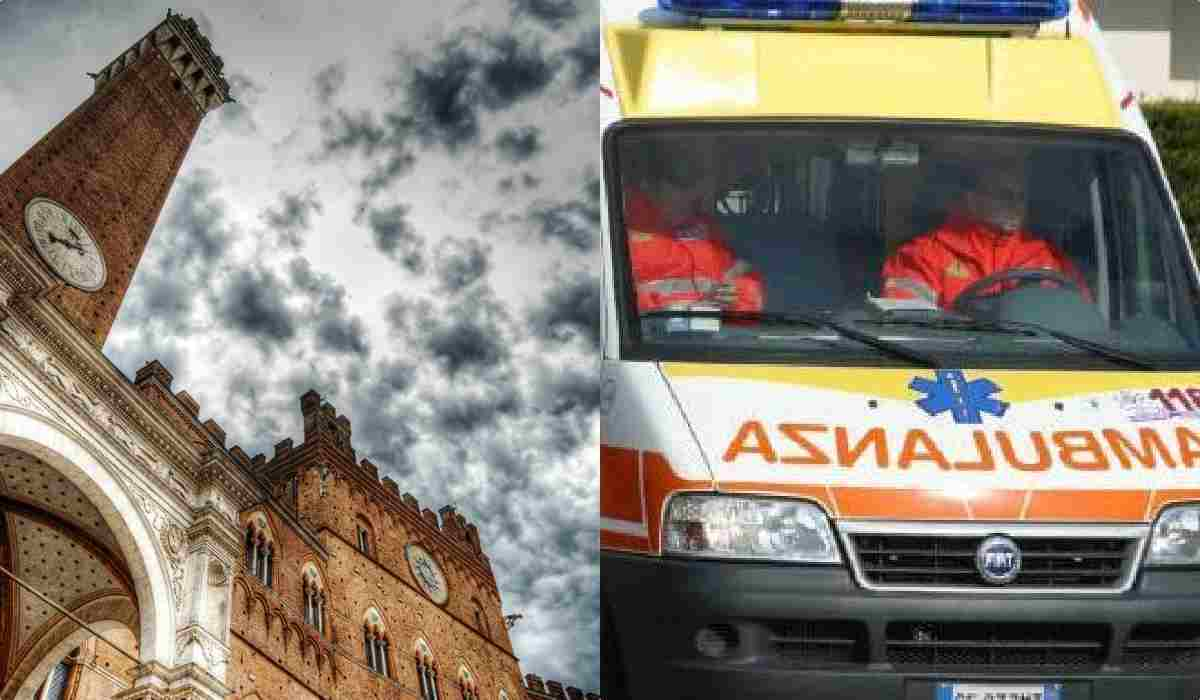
column 171, row 540
column 110, row 424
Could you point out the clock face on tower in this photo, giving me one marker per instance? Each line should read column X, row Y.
column 428, row 574
column 65, row 244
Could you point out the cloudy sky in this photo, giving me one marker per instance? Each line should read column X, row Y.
column 400, row 211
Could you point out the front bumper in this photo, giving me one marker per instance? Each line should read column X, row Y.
column 656, row 605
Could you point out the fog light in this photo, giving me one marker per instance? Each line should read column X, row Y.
column 716, row 641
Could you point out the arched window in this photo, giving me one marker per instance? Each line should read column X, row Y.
column 55, row 685
column 426, row 671
column 312, row 592
column 365, row 543
column 480, row 618
column 467, row 685
column 260, row 551
column 375, row 643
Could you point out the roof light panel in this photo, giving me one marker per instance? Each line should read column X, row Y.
column 940, row 11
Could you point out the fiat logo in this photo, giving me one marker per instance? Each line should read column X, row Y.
column 998, row 560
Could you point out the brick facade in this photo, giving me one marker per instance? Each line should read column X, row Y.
column 315, row 520
column 256, row 636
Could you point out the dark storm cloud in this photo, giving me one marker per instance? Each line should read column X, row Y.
column 569, row 309
column 329, row 81
column 342, row 335
column 584, row 59
column 395, row 236
column 442, row 95
column 574, row 223
column 514, row 68
column 552, row 13
column 196, row 220
column 468, row 335
column 568, row 398
column 253, row 304
column 292, row 217
column 461, row 262
column 343, row 132
column 337, row 330
column 190, row 246
column 518, row 145
column 472, row 408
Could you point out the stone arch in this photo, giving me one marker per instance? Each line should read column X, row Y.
column 294, row 630
column 140, row 545
column 65, row 637
column 239, row 584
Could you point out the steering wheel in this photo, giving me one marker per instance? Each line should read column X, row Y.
column 1021, row 275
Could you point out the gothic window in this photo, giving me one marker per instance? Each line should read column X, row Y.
column 480, row 618
column 364, row 537
column 312, row 591
column 375, row 644
column 426, row 672
column 55, row 685
column 294, row 491
column 466, row 684
column 260, row 552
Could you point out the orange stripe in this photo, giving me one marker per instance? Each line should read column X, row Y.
column 997, row 504
column 661, row 482
column 1161, row 499
column 909, row 504
column 620, row 486
column 816, row 493
column 1088, row 506
column 618, row 540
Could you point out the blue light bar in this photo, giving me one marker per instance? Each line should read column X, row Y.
column 939, row 11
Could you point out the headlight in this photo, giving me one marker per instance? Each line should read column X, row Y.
column 708, row 525
column 1176, row 537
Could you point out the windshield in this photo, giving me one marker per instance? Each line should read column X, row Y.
column 897, row 243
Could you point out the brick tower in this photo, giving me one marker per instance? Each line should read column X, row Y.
column 82, row 202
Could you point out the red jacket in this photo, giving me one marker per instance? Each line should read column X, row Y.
column 682, row 264
column 939, row 265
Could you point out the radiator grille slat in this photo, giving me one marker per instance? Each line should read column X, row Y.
column 1161, row 646
column 949, row 560
column 912, row 645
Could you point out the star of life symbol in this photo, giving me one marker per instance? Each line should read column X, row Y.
column 967, row 401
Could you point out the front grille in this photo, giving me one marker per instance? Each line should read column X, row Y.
column 1159, row 646
column 1010, row 645
column 818, row 643
column 949, row 560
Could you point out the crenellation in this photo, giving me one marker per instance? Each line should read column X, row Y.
column 258, row 461
column 283, row 448
column 154, row 369
column 240, row 455
column 535, row 683
column 430, row 518
column 391, row 485
column 410, row 501
column 215, row 430
column 192, row 406
column 370, row 468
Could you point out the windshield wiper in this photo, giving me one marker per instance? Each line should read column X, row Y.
column 817, row 321
column 1023, row 327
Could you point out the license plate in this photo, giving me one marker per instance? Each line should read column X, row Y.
column 999, row 691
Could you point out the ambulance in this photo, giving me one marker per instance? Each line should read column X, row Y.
column 901, row 358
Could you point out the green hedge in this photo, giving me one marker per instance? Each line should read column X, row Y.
column 1176, row 128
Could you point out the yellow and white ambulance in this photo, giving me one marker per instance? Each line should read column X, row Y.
column 901, row 339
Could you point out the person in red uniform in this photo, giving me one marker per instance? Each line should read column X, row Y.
column 983, row 235
column 677, row 250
